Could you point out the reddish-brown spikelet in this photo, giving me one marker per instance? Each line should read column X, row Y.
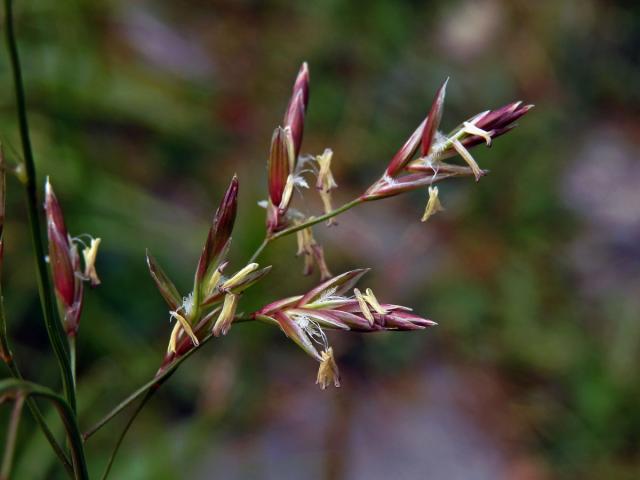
column 65, row 263
column 278, row 165
column 497, row 122
column 297, row 107
column 220, row 231
column 405, row 154
column 59, row 249
column 303, row 318
column 433, row 120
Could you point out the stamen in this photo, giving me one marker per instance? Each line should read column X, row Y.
column 185, row 326
column 326, row 182
column 215, row 279
column 471, row 129
column 227, row 314
column 239, row 277
column 433, row 204
column 90, row 255
column 328, row 370
column 373, row 301
column 173, row 339
column 464, row 153
column 286, row 194
column 363, row 306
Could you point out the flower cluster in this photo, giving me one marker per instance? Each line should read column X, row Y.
column 283, row 164
column 304, row 318
column 211, row 306
column 404, row 173
column 67, row 269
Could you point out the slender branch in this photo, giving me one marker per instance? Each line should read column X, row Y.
column 259, row 250
column 5, row 349
column 310, row 222
column 72, row 358
column 12, row 434
column 156, row 381
column 33, row 406
column 314, row 220
column 53, row 325
column 121, row 406
column 133, row 416
column 67, row 415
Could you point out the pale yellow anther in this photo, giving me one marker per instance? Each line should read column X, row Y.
column 227, row 314
column 185, row 326
column 90, row 253
column 287, row 193
column 471, row 129
column 373, row 301
column 325, row 177
column 326, row 182
column 464, row 153
column 213, row 281
column 305, row 241
column 239, row 277
column 327, row 204
column 328, row 370
column 312, row 252
column 363, row 306
column 288, row 136
column 433, row 204
column 173, row 339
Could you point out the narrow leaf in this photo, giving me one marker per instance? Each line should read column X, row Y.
column 166, row 287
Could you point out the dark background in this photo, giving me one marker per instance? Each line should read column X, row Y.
column 142, row 111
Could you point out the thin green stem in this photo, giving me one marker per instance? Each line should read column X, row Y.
column 12, row 435
column 120, row 407
column 133, row 416
column 67, row 415
column 53, row 325
column 314, row 220
column 310, row 222
column 72, row 358
column 160, row 377
column 37, row 413
column 5, row 349
column 259, row 250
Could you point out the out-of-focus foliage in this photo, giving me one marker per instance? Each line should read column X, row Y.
column 142, row 111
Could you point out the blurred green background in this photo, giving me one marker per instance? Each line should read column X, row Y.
column 142, row 111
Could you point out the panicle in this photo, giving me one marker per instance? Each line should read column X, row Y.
column 304, row 318
column 404, row 173
column 201, row 311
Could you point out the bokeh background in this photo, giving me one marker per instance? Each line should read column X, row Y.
column 140, row 113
